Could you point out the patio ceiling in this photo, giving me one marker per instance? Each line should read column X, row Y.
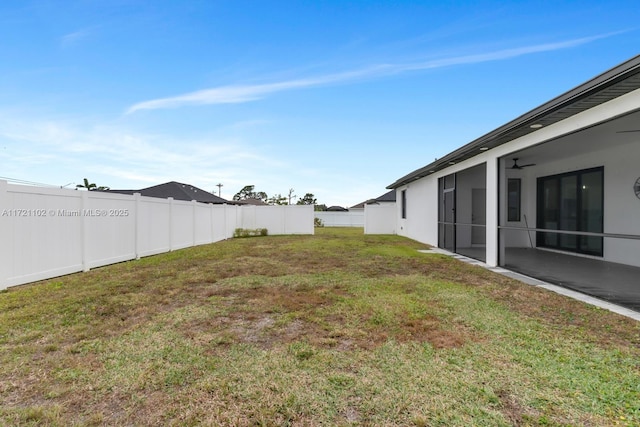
column 619, row 131
column 609, row 85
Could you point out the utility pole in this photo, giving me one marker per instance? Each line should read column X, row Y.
column 219, row 185
column 291, row 195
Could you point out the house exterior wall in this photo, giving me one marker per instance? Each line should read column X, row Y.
column 621, row 170
column 421, row 223
column 622, row 208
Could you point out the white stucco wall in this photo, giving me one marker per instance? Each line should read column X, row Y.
column 421, row 223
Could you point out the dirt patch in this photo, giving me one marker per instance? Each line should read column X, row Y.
column 510, row 407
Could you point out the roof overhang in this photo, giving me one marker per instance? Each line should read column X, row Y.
column 609, row 85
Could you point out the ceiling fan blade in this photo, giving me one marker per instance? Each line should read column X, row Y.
column 516, row 166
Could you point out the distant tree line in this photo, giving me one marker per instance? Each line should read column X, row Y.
column 248, row 192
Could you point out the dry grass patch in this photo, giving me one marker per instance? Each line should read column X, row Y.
column 327, row 311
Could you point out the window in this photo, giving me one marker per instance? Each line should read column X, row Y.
column 572, row 201
column 403, row 203
column 513, row 199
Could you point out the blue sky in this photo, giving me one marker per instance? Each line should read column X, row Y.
column 334, row 98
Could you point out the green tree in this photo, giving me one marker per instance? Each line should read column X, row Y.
column 277, row 199
column 307, row 199
column 261, row 195
column 248, row 192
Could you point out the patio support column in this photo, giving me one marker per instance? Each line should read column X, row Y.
column 492, row 212
column 502, row 189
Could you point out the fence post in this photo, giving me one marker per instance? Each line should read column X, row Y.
column 211, row 228
column 137, row 221
column 84, row 198
column 284, row 219
column 8, row 244
column 194, row 215
column 224, row 218
column 171, row 215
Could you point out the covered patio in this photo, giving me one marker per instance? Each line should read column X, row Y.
column 613, row 282
column 568, row 212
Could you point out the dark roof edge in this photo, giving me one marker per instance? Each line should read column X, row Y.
column 601, row 81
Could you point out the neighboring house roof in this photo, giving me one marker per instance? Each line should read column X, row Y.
column 178, row 191
column 254, row 202
column 387, row 197
column 361, row 204
column 336, row 209
column 611, row 84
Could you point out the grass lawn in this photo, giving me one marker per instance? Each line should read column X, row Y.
column 333, row 329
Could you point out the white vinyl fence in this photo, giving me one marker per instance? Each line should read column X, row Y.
column 380, row 218
column 341, row 219
column 49, row 232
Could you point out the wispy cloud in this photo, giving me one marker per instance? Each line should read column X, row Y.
column 59, row 152
column 75, row 37
column 247, row 93
column 234, row 94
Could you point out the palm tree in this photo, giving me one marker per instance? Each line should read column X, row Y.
column 91, row 186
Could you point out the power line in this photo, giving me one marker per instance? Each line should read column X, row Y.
column 25, row 182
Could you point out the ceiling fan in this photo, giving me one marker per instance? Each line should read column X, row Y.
column 518, row 167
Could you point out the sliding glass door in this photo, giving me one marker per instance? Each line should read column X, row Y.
column 572, row 202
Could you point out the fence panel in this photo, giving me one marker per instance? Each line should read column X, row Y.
column 203, row 224
column 153, row 219
column 109, row 228
column 246, row 217
column 380, row 219
column 284, row 219
column 269, row 217
column 223, row 218
column 182, row 227
column 341, row 219
column 298, row 220
column 42, row 233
